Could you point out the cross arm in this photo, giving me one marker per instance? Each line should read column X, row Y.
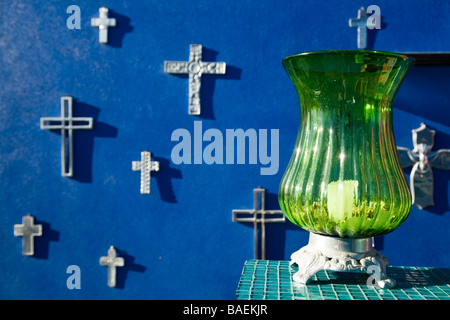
column 113, row 261
column 103, row 22
column 274, row 213
column 136, row 165
column 214, row 68
column 33, row 229
column 154, row 165
column 95, row 22
column 235, row 214
column 111, row 22
column 440, row 159
column 177, row 67
column 59, row 123
column 407, row 157
column 251, row 216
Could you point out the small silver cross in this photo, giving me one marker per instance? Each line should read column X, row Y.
column 112, row 261
column 361, row 24
column 146, row 166
column 103, row 23
column 259, row 209
column 195, row 67
column 27, row 230
column 66, row 123
column 422, row 159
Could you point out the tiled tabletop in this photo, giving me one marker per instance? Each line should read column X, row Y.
column 272, row 280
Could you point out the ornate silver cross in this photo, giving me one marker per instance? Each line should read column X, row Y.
column 195, row 67
column 112, row 261
column 422, row 159
column 27, row 230
column 103, row 23
column 258, row 215
column 146, row 166
column 66, row 123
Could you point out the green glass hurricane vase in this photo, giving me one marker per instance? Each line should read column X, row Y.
column 344, row 178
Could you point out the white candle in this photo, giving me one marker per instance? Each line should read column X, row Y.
column 340, row 198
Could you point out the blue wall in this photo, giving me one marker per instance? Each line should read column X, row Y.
column 179, row 242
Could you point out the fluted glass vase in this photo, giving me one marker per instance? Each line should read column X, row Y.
column 344, row 178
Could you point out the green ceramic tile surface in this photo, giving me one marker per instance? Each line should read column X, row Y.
column 272, row 280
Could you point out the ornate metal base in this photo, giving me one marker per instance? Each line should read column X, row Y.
column 341, row 254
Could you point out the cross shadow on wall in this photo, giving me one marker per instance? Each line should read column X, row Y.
column 129, row 265
column 373, row 33
column 209, row 83
column 117, row 33
column 42, row 243
column 164, row 179
column 83, row 141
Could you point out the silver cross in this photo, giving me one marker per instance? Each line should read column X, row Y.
column 66, row 123
column 361, row 24
column 27, row 230
column 103, row 23
column 422, row 159
column 195, row 67
column 112, row 261
column 258, row 215
column 146, row 166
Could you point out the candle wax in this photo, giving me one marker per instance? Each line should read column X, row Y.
column 341, row 196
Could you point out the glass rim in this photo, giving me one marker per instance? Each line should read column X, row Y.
column 375, row 52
